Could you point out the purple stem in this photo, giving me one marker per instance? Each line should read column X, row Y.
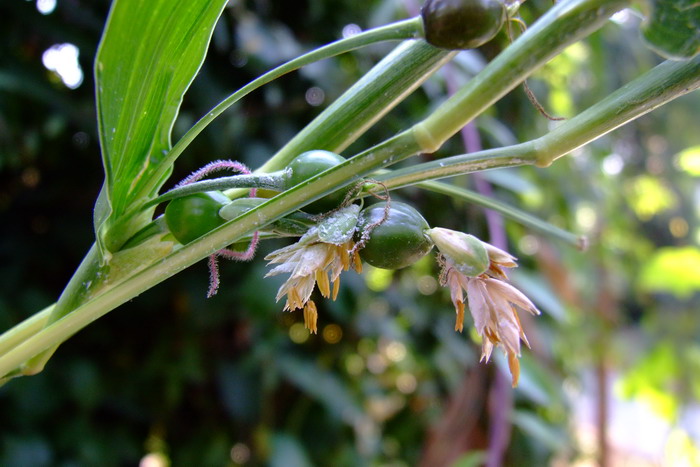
column 501, row 394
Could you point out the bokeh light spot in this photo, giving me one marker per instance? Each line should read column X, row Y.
column 332, row 333
column 298, row 333
column 63, row 60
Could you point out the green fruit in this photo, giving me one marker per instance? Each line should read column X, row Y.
column 462, row 24
column 190, row 217
column 399, row 241
column 312, row 163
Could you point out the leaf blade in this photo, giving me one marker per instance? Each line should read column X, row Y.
column 149, row 55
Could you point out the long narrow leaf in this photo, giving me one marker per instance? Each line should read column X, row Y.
column 149, row 54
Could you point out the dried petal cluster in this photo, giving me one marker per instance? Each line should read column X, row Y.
column 312, row 262
column 492, row 303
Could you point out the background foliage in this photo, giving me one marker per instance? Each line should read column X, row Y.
column 232, row 380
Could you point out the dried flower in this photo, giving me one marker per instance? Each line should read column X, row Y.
column 492, row 301
column 311, row 261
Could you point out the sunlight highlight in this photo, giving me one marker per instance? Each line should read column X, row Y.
column 63, row 60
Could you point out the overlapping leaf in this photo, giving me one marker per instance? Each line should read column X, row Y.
column 673, row 28
column 149, row 54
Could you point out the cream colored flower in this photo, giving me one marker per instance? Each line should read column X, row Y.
column 492, row 303
column 312, row 262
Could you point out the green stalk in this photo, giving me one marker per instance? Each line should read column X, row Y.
column 24, row 330
column 391, row 151
column 276, row 181
column 661, row 84
column 564, row 24
column 507, row 211
column 653, row 89
column 396, row 31
column 389, row 82
column 423, row 137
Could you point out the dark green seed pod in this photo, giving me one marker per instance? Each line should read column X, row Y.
column 312, row 163
column 190, row 217
column 462, row 24
column 396, row 243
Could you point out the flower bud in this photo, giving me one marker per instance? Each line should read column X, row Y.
column 467, row 252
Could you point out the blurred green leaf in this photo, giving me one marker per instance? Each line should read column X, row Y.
column 548, row 435
column 287, row 451
column 672, row 270
column 689, row 160
column 649, row 196
column 149, row 54
column 652, row 380
column 473, row 459
column 673, row 28
column 325, row 386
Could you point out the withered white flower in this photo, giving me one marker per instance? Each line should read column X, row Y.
column 310, row 262
column 492, row 301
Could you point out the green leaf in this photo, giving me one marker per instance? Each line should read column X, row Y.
column 149, row 54
column 548, row 435
column 323, row 386
column 673, row 270
column 672, row 28
column 689, row 160
column 471, row 459
column 287, row 451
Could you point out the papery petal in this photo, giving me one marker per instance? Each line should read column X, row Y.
column 478, row 306
column 513, row 295
column 455, row 287
column 282, row 268
column 313, row 258
column 486, row 349
column 503, row 258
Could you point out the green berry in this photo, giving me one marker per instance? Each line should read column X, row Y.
column 399, row 241
column 462, row 24
column 192, row 216
column 310, row 164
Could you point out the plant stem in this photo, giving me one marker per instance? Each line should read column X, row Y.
column 653, row 89
column 276, row 181
column 397, row 148
column 389, row 82
column 562, row 25
column 661, row 84
column 396, row 31
column 510, row 212
column 23, row 330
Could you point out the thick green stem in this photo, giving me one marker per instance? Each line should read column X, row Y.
column 661, row 84
column 85, row 280
column 24, row 330
column 389, row 82
column 108, row 298
column 566, row 23
column 653, row 89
